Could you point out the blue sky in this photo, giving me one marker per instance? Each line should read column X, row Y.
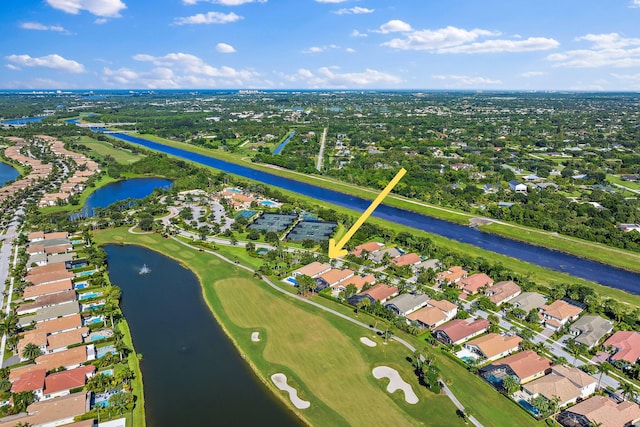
column 309, row 44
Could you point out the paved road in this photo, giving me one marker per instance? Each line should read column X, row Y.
column 448, row 392
column 321, row 152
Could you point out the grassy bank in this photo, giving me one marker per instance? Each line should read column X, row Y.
column 137, row 384
column 100, row 182
column 102, row 149
column 320, row 353
column 578, row 247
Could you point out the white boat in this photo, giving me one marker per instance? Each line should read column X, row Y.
column 144, row 269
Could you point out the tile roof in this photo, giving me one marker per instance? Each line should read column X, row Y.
column 36, row 337
column 428, row 316
column 407, row 259
column 554, row 385
column 369, row 247
column 575, row 375
column 526, row 363
column 52, row 276
column 453, row 274
column 30, row 381
column 502, row 291
column 61, row 324
column 561, row 309
column 50, row 412
column 359, row 281
column 56, row 235
column 45, row 269
column 443, row 305
column 406, row 303
column 628, row 345
column 335, row 276
column 71, row 357
column 528, row 301
column 67, row 380
column 313, row 269
column 65, row 339
column 590, row 329
column 49, row 299
column 491, row 345
column 459, row 329
column 47, row 288
column 381, row 291
column 606, row 412
column 473, row 283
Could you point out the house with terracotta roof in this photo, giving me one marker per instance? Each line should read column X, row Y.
column 559, row 313
column 369, row 248
column 406, row 259
column 30, row 381
column 30, row 292
column 50, row 277
column 358, row 281
column 428, row 317
column 502, row 292
column 525, row 366
column 568, row 384
column 58, row 249
column 601, row 411
column 336, row 276
column 56, row 235
column 45, row 301
column 61, row 341
column 452, row 275
column 407, row 303
column 471, row 285
column 53, row 412
column 36, row 236
column 447, row 307
column 61, row 324
column 312, row 270
column 381, row 292
column 37, row 248
column 460, row 330
column 588, row 330
column 379, row 256
column 494, row 346
column 61, row 383
column 626, row 345
column 35, row 337
column 71, row 358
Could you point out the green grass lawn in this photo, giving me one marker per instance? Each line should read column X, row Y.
column 139, row 419
column 601, row 253
column 321, row 354
column 101, row 149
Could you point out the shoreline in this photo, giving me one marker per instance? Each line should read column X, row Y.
column 401, row 202
column 281, row 398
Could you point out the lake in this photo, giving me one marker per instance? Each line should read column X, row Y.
column 591, row 270
column 192, row 373
column 133, row 188
column 7, row 173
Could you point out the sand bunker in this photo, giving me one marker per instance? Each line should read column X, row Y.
column 255, row 336
column 395, row 383
column 369, row 343
column 280, row 380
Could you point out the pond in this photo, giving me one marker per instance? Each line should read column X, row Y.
column 192, row 373
column 134, row 188
column 7, row 173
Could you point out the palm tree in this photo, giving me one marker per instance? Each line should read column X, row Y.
column 628, row 390
column 31, row 352
column 603, row 368
column 511, row 384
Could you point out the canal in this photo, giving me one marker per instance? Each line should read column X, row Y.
column 7, row 173
column 555, row 260
column 193, row 375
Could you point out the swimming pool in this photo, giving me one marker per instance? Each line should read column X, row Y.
column 100, row 335
column 89, row 295
column 291, row 281
column 85, row 273
column 529, row 407
column 103, row 351
column 76, row 242
column 496, row 381
column 93, row 320
column 268, row 203
column 80, row 285
column 92, row 306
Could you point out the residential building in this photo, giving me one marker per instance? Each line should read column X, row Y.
column 452, row 275
column 369, row 248
column 568, row 384
column 390, row 253
column 428, row 317
column 460, row 330
column 49, row 288
column 626, row 345
column 447, row 307
column 334, row 277
column 407, row 303
column 358, row 281
column 312, row 270
column 381, row 292
column 601, row 411
column 494, row 346
column 559, row 313
column 407, row 259
column 590, row 329
column 30, row 381
column 528, row 301
column 61, row 383
column 517, row 186
column 525, row 366
column 471, row 285
column 502, row 292
column 54, row 412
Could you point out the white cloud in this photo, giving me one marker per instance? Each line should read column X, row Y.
column 495, row 46
column 353, row 11
column 103, row 8
column 356, row 33
column 41, row 27
column 635, row 3
column 225, row 48
column 208, row 18
column 179, row 70
column 326, row 77
column 528, row 74
column 349, row 50
column 456, row 81
column 223, row 2
column 459, row 40
column 393, row 26
column 610, row 50
column 319, row 49
column 54, row 61
column 100, row 21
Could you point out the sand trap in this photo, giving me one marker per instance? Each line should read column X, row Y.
column 395, row 383
column 255, row 336
column 280, row 380
column 369, row 343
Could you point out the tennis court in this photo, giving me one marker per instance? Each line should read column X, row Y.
column 273, row 222
column 314, row 230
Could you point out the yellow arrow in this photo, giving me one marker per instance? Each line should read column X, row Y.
column 335, row 249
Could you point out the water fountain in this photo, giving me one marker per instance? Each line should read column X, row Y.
column 144, row 269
